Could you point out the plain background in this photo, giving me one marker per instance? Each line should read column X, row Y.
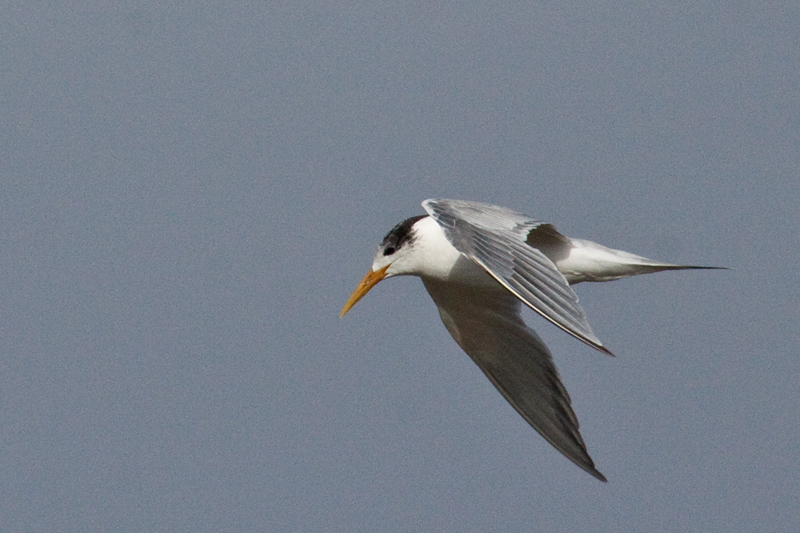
column 190, row 191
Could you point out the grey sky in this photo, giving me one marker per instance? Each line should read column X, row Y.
column 190, row 193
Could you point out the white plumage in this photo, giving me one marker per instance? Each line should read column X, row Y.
column 479, row 262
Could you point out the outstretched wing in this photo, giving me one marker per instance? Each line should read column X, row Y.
column 497, row 239
column 488, row 326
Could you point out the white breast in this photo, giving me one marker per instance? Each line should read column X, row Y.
column 436, row 259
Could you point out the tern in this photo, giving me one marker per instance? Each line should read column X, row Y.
column 480, row 262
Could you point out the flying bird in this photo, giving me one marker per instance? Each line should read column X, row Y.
column 479, row 262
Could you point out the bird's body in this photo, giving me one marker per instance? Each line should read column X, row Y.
column 479, row 262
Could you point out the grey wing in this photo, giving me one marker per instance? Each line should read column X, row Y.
column 495, row 238
column 488, row 326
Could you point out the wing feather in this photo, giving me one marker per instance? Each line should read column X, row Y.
column 496, row 239
column 488, row 326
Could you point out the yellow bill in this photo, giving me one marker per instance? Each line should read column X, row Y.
column 370, row 280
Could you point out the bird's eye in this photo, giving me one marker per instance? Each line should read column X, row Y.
column 389, row 250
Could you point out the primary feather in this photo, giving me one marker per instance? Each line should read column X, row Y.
column 479, row 262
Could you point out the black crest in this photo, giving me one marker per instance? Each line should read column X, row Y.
column 399, row 235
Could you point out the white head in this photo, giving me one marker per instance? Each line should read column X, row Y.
column 394, row 258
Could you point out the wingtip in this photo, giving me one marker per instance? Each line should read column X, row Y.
column 589, row 468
